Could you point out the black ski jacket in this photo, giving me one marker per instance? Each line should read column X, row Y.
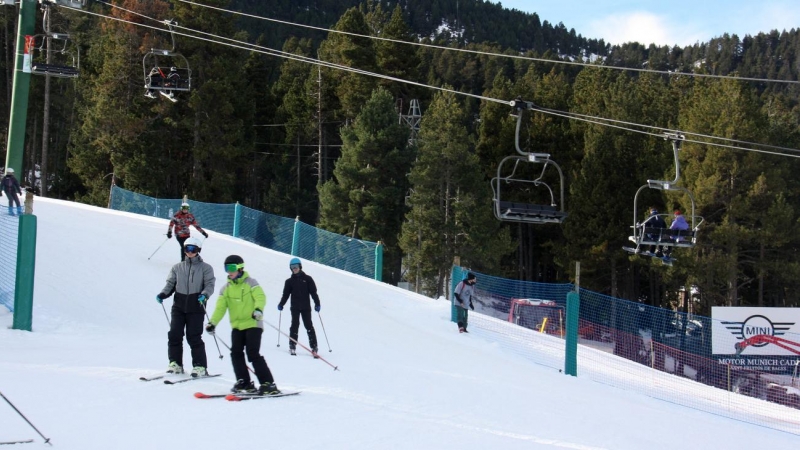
column 300, row 286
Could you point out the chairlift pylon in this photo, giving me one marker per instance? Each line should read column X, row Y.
column 166, row 71
column 645, row 236
column 516, row 211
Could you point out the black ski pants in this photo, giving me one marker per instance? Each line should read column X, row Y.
column 12, row 198
column 193, row 323
column 312, row 335
column 249, row 340
column 181, row 240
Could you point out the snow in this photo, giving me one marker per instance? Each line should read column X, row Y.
column 407, row 378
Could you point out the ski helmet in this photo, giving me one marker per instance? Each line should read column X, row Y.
column 184, row 205
column 192, row 242
column 297, row 262
column 234, row 262
column 9, row 171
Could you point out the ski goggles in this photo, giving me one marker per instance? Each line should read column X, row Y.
column 185, row 208
column 294, row 266
column 191, row 249
column 233, row 267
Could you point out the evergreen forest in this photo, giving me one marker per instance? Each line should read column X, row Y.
column 264, row 127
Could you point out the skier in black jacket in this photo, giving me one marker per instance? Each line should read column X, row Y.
column 300, row 286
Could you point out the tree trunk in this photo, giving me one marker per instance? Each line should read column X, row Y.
column 613, row 276
column 46, row 119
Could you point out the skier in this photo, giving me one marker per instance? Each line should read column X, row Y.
column 654, row 221
column 181, row 221
column 155, row 79
column 12, row 190
column 245, row 299
column 173, row 78
column 463, row 295
column 679, row 223
column 300, row 286
column 192, row 282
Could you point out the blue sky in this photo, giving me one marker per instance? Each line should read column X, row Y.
column 680, row 22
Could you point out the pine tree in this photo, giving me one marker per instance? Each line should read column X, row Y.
column 367, row 197
column 723, row 180
column 450, row 202
column 352, row 89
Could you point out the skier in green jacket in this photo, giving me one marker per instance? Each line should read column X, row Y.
column 245, row 300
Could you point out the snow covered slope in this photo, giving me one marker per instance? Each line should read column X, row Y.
column 407, row 378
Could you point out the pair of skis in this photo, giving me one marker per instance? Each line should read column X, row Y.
column 181, row 380
column 242, row 396
column 26, row 441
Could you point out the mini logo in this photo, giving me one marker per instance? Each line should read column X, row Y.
column 757, row 325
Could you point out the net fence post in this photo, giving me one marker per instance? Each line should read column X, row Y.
column 296, row 236
column 379, row 261
column 237, row 214
column 573, row 308
column 26, row 265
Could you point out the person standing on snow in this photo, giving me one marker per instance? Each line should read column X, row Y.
column 300, row 286
column 12, row 190
column 192, row 282
column 463, row 295
column 181, row 221
column 245, row 300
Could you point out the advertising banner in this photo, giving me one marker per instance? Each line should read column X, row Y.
column 27, row 54
column 764, row 339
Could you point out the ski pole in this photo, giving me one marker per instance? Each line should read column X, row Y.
column 159, row 248
column 301, row 345
column 214, row 335
column 280, row 314
column 46, row 440
column 323, row 331
column 229, row 349
column 165, row 314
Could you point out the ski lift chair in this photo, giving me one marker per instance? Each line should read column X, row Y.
column 69, row 64
column 515, row 211
column 74, row 4
column 644, row 236
column 166, row 70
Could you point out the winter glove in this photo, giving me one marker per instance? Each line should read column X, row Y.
column 317, row 308
column 471, row 306
column 169, row 234
column 202, row 299
column 258, row 315
column 210, row 328
column 159, row 299
column 280, row 307
column 205, row 234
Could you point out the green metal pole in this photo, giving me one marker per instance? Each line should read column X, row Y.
column 237, row 214
column 571, row 354
column 379, row 261
column 296, row 237
column 22, row 83
column 26, row 265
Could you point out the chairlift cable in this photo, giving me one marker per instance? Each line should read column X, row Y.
column 568, row 115
column 498, row 55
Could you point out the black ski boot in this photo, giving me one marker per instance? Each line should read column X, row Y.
column 242, row 386
column 268, row 389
